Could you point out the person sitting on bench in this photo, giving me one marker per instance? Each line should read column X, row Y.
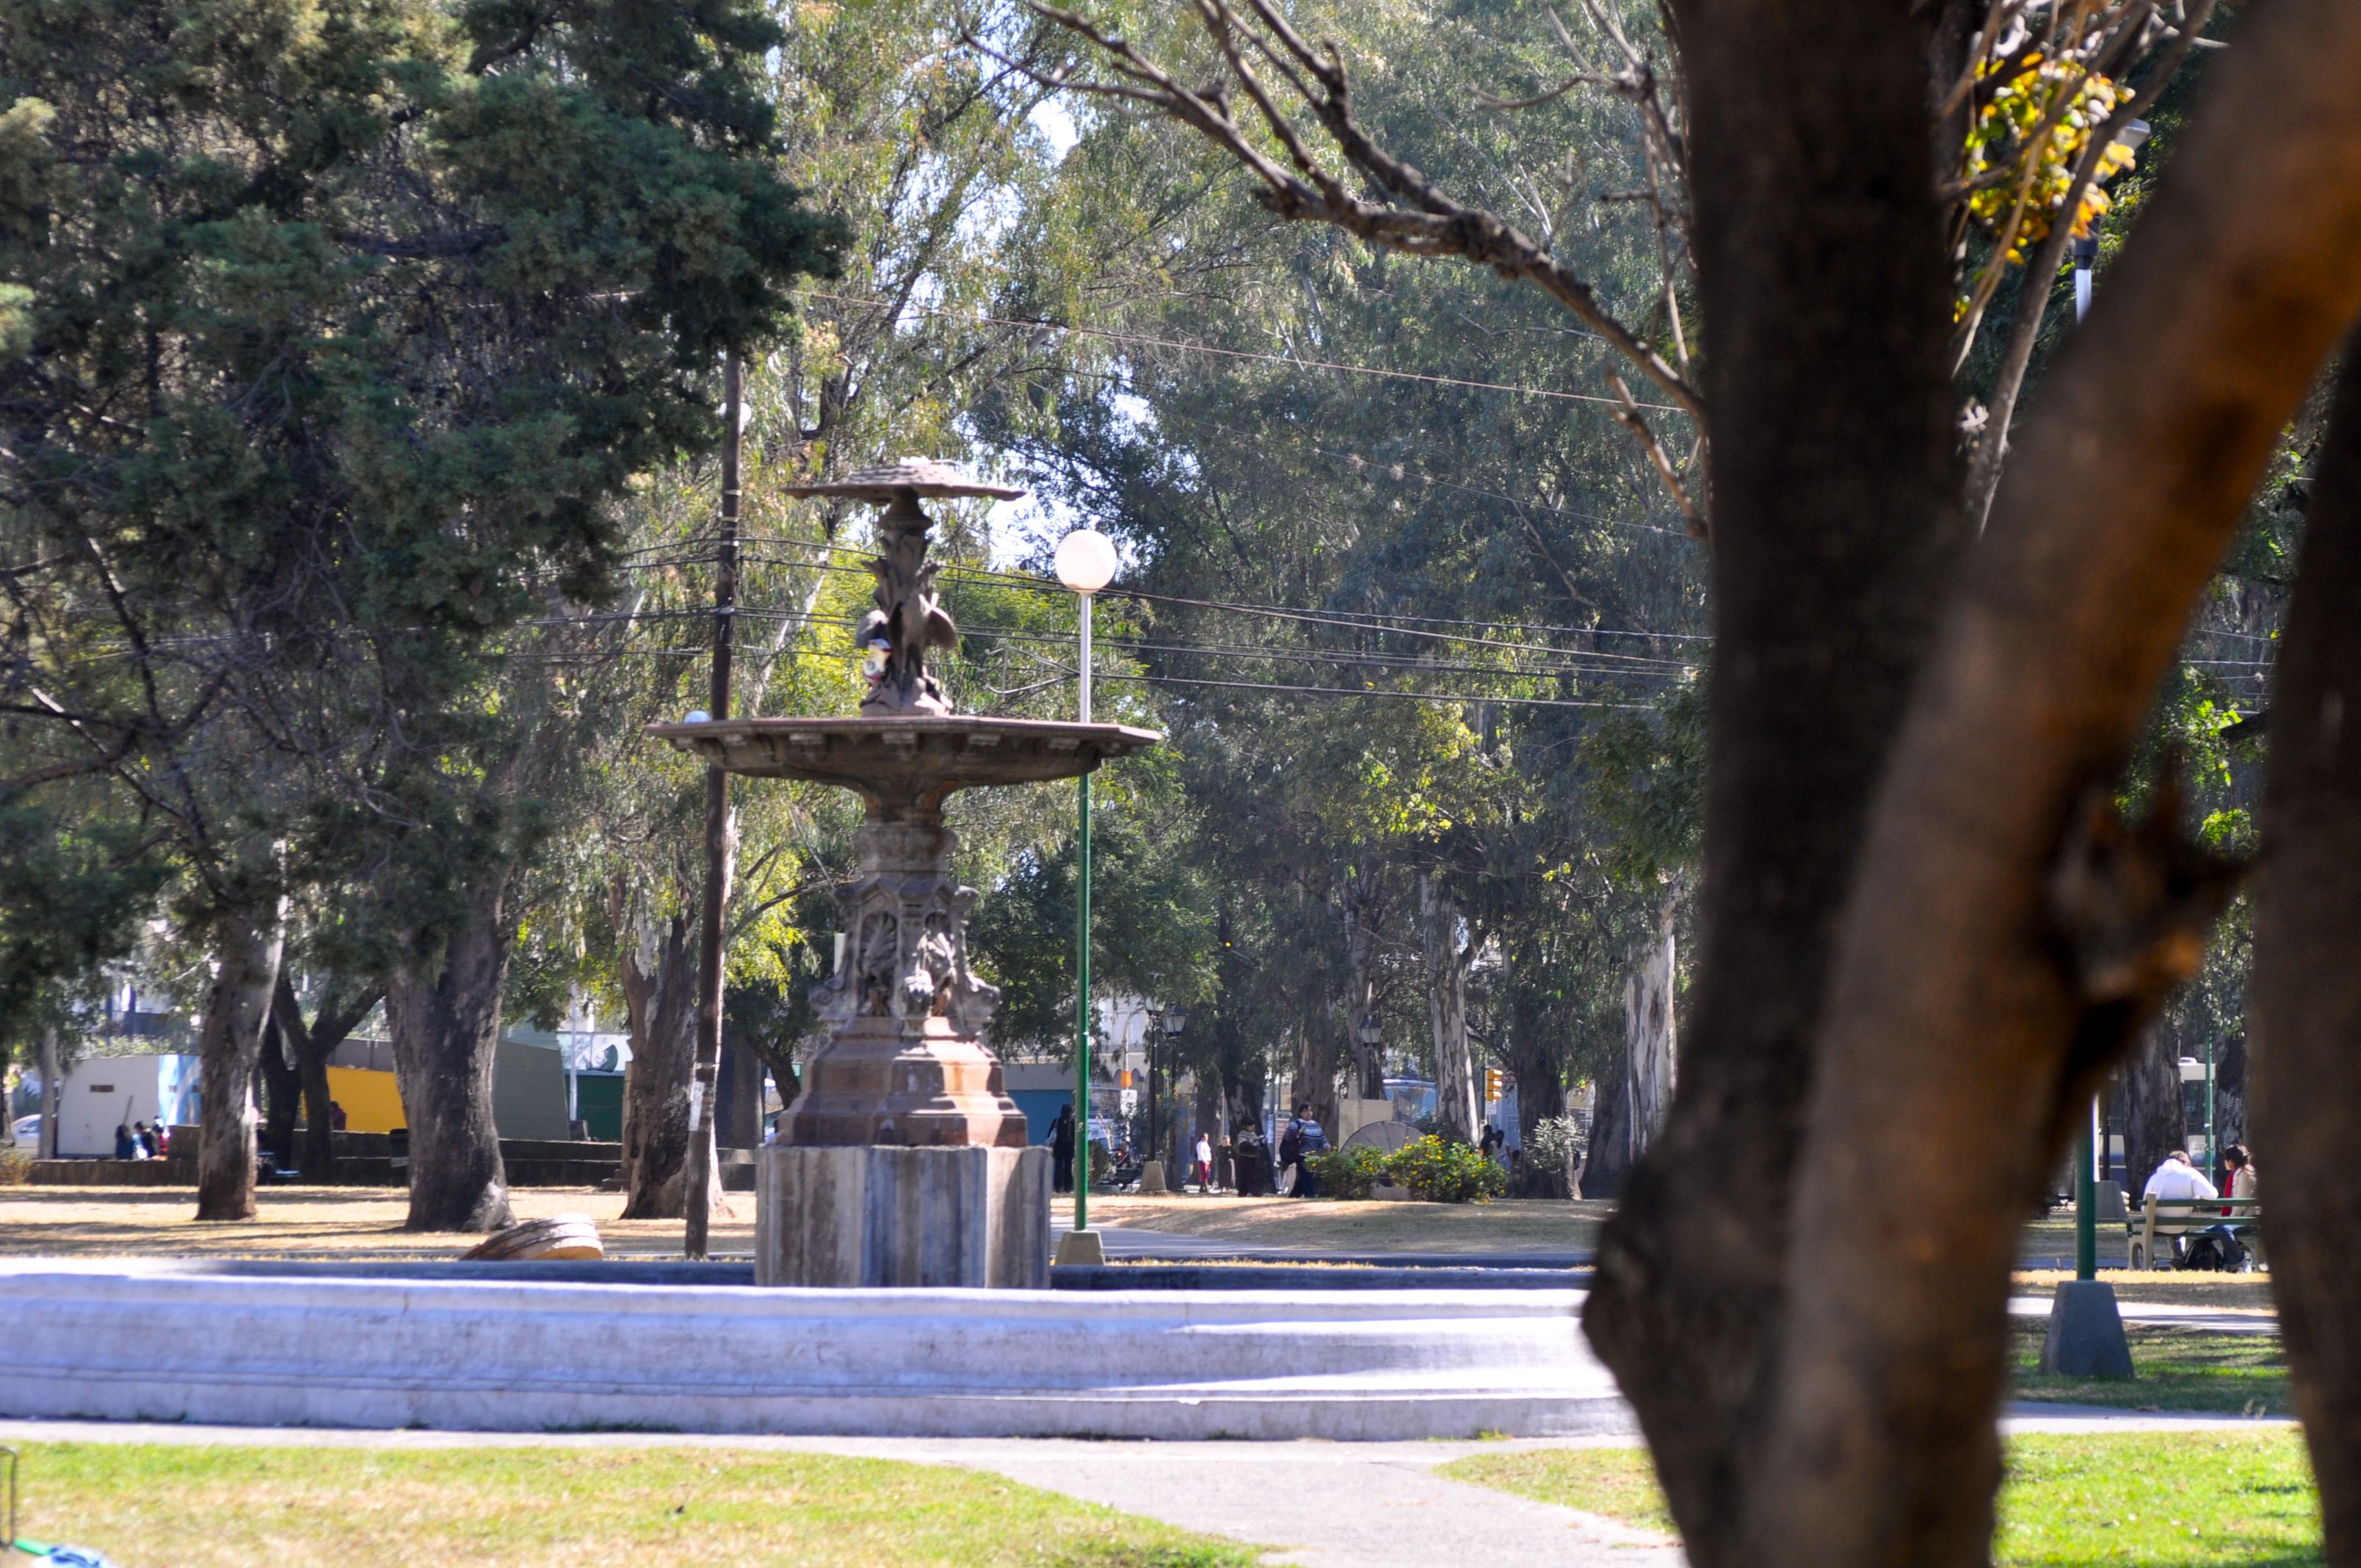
column 2242, row 1170
column 2176, row 1178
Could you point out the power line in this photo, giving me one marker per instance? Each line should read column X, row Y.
column 1343, row 692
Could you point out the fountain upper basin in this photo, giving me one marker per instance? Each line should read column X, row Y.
column 906, row 766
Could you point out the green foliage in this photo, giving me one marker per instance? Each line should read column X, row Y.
column 348, row 324
column 1646, row 773
column 1151, row 929
column 1442, row 1170
column 1552, row 1142
column 71, row 897
column 1350, row 1172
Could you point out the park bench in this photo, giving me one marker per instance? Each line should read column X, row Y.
column 2158, row 1220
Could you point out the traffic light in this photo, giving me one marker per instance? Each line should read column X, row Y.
column 1495, row 1084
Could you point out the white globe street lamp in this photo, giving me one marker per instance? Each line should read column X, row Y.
column 1086, row 563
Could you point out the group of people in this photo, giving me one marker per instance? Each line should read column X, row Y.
column 139, row 1141
column 2177, row 1178
column 1254, row 1170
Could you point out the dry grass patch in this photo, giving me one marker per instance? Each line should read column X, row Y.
column 355, row 1222
column 1319, row 1225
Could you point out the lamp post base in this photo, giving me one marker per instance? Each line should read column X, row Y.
column 886, row 1215
column 2086, row 1332
column 1081, row 1249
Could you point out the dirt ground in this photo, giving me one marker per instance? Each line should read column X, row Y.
column 1504, row 1225
column 365, row 1222
column 321, row 1221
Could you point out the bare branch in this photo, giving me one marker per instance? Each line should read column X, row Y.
column 1627, row 415
column 1417, row 219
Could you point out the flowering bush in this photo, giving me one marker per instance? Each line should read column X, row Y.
column 1348, row 1172
column 1445, row 1172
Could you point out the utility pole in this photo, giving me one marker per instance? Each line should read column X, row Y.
column 696, row 1184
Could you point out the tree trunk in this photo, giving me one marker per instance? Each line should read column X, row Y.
column 50, row 1094
column 444, row 1014
column 247, row 945
column 1314, row 1072
column 1650, row 1045
column 2003, row 947
column 2306, row 990
column 319, row 1115
column 1823, row 282
column 282, row 1088
column 2230, row 1090
column 341, row 1011
column 2153, row 1122
column 1457, row 1110
column 1609, row 1158
column 660, row 1003
column 1360, row 901
column 738, row 1099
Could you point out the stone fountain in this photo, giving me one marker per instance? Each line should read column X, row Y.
column 904, row 1161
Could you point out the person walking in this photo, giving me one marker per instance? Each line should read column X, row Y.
column 1313, row 1141
column 1205, row 1164
column 1061, row 1150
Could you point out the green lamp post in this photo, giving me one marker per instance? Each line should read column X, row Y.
column 1086, row 563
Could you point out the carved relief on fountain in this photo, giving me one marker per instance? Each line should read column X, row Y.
column 906, row 954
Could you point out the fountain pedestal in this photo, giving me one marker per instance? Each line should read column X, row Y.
column 877, row 1215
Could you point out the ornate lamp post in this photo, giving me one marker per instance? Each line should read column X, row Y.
column 904, row 1161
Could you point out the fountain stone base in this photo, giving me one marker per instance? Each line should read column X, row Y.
column 888, row 1215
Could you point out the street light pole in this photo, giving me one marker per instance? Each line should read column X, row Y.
column 2086, row 1327
column 1086, row 563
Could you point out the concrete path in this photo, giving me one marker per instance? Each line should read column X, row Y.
column 1127, row 1241
column 2163, row 1314
column 1314, row 1505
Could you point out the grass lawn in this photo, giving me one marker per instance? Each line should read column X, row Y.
column 2176, row 1369
column 2160, row 1499
column 205, row 1507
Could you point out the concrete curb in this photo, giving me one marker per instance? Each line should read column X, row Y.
column 491, row 1351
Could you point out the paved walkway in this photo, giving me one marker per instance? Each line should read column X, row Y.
column 2162, row 1314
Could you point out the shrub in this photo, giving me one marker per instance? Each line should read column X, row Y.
column 1556, row 1143
column 1445, row 1172
column 1348, row 1172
